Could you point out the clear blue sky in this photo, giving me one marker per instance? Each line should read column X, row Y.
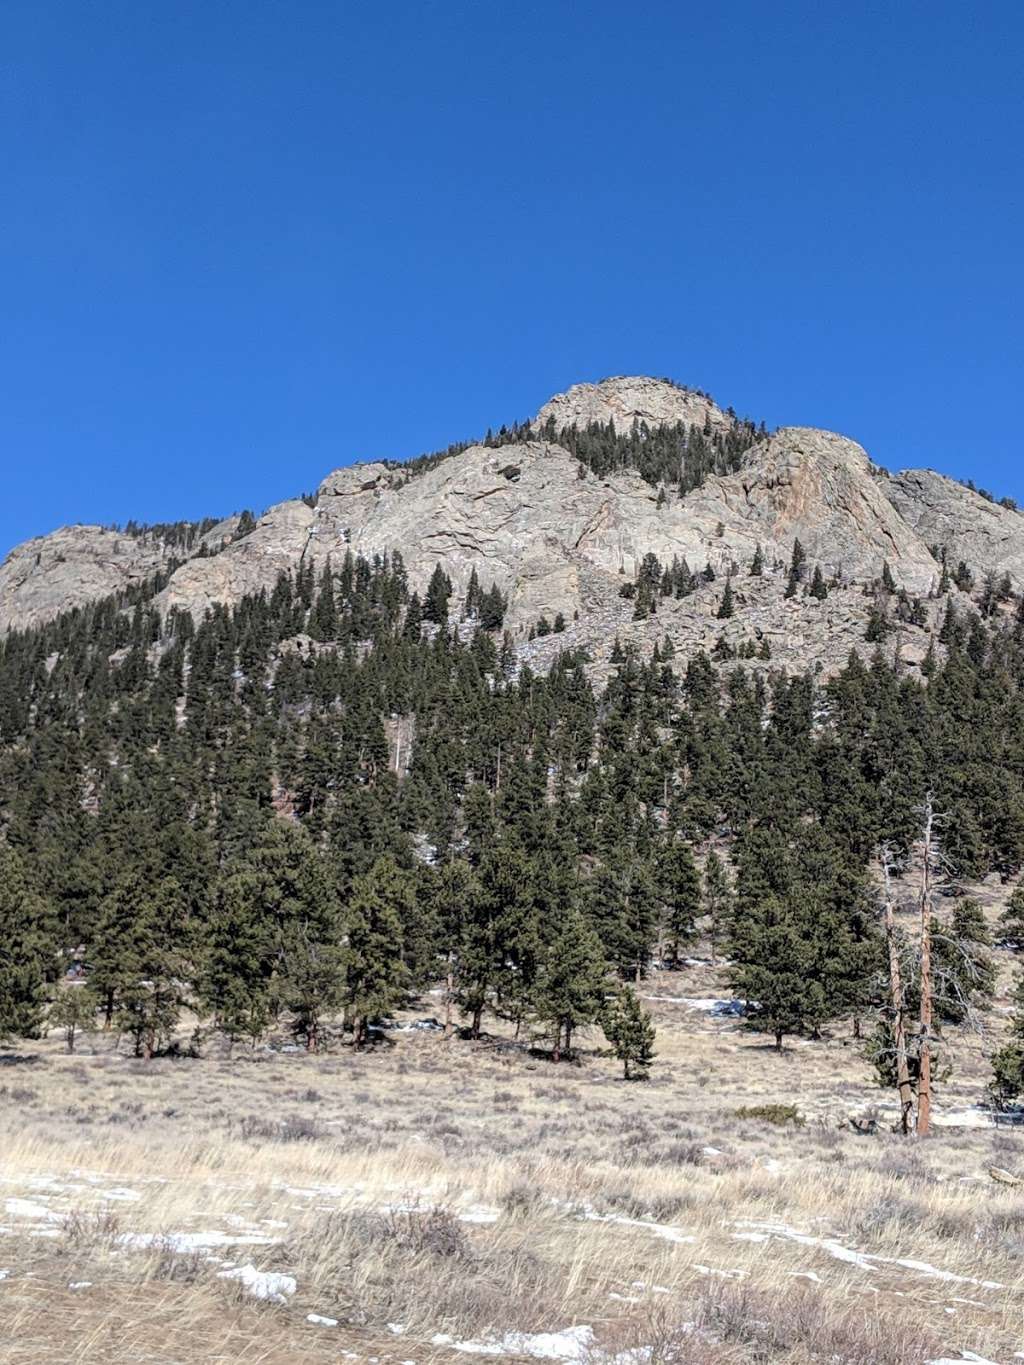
column 244, row 242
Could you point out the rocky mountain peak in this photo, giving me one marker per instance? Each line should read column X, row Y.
column 561, row 534
column 626, row 399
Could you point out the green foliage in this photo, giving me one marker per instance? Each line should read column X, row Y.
column 26, row 949
column 73, row 1010
column 1008, row 1062
column 777, row 1114
column 629, row 1031
column 376, row 977
column 570, row 988
column 965, row 975
column 804, row 944
column 1012, row 919
column 198, row 805
column 725, row 606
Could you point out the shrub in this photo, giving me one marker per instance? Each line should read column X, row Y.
column 772, row 1113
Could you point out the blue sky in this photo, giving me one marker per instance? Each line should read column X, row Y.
column 244, row 242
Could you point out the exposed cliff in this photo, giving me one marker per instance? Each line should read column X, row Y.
column 557, row 538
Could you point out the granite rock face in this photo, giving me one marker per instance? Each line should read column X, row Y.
column 633, row 398
column 70, row 567
column 79, row 564
column 559, row 539
column 986, row 535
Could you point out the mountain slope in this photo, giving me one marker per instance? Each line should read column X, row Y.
column 529, row 516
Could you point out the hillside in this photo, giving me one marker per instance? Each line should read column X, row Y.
column 359, row 862
column 628, row 468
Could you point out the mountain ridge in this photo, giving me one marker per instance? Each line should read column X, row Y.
column 529, row 513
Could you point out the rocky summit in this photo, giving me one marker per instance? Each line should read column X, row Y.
column 564, row 534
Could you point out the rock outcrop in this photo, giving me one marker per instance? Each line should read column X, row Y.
column 70, row 567
column 79, row 564
column 632, row 398
column 557, row 538
column 986, row 535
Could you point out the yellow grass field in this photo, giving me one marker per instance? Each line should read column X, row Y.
column 432, row 1200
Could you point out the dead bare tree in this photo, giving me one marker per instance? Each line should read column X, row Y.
column 897, row 998
column 932, row 873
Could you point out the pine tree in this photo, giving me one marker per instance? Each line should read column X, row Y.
column 413, row 624
column 74, row 1011
column 474, row 594
column 570, row 989
column 237, row 975
column 819, row 589
column 439, row 591
column 1008, row 1062
column 456, row 894
column 677, row 886
column 629, row 1030
column 1012, row 919
column 717, row 901
column 381, row 903
column 323, row 620
column 150, row 993
column 757, row 563
column 771, row 971
column 646, row 603
column 493, row 606
column 26, row 949
column 965, row 975
column 725, row 606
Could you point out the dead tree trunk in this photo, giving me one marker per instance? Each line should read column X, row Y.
column 899, row 1027
column 924, row 1081
column 449, row 992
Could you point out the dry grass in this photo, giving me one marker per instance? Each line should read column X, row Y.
column 471, row 1190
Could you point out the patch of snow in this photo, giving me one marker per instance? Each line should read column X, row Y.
column 321, row 1321
column 971, row 1117
column 121, row 1192
column 479, row 1216
column 80, row 1284
column 863, row 1260
column 320, row 1191
column 712, row 1151
column 806, row 1275
column 184, row 1242
column 28, row 1208
column 664, row 1230
column 396, row 1328
column 574, row 1343
column 571, row 1344
column 965, row 1356
column 262, row 1284
column 724, row 1274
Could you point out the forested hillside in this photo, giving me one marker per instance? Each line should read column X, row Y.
column 301, row 809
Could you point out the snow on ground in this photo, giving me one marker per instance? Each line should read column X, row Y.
column 29, row 1208
column 185, row 1242
column 574, row 1343
column 762, row 1231
column 963, row 1356
column 261, row 1284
